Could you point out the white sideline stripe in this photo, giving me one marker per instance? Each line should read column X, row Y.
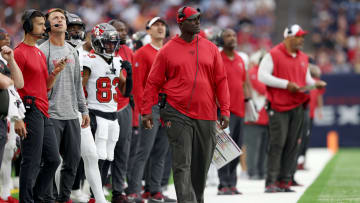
column 253, row 191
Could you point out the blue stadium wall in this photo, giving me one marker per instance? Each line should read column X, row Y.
column 341, row 111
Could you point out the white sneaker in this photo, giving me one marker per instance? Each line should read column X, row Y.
column 79, row 196
column 15, row 182
column 106, row 191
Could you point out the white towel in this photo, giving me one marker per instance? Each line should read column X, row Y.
column 16, row 107
column 251, row 114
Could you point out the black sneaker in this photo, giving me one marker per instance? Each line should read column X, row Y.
column 160, row 198
column 235, row 191
column 272, row 189
column 224, row 191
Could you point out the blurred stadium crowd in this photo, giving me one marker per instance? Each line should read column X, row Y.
column 335, row 33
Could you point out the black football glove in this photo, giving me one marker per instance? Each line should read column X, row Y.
column 127, row 66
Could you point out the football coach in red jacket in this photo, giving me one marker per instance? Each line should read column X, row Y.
column 284, row 71
column 190, row 72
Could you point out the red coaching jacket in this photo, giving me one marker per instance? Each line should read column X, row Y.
column 292, row 69
column 143, row 60
column 174, row 71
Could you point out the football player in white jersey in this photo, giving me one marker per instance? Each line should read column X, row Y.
column 76, row 34
column 103, row 80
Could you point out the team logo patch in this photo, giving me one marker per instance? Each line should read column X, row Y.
column 168, row 124
column 303, row 64
column 97, row 31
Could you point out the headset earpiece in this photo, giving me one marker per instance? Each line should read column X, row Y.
column 47, row 22
column 220, row 39
column 181, row 12
column 28, row 25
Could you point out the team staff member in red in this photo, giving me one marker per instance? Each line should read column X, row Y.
column 190, row 71
column 124, row 115
column 256, row 134
column 238, row 88
column 285, row 72
column 39, row 144
column 153, row 143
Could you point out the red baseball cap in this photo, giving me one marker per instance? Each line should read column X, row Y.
column 186, row 12
column 294, row 30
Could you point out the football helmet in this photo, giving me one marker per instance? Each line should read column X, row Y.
column 105, row 40
column 75, row 35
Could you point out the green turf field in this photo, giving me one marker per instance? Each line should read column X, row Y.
column 339, row 182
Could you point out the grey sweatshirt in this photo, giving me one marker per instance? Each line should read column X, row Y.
column 66, row 97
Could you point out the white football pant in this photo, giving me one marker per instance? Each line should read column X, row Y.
column 106, row 136
column 5, row 172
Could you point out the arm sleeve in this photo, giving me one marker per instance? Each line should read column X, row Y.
column 309, row 79
column 154, row 82
column 265, row 74
column 79, row 88
column 221, row 85
column 139, row 77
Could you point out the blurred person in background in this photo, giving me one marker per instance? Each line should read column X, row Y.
column 286, row 99
column 239, row 94
column 315, row 109
column 125, row 107
column 13, row 74
column 89, row 158
column 153, row 143
column 256, row 134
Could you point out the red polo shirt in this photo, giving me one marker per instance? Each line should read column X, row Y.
column 32, row 63
column 236, row 76
column 174, row 71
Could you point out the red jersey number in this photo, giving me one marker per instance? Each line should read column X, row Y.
column 103, row 89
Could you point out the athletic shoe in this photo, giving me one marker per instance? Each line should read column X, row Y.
column 224, row 191
column 168, row 199
column 91, row 200
column 272, row 189
column 294, row 183
column 79, row 196
column 300, row 166
column 235, row 191
column 135, row 198
column 120, row 199
column 158, row 197
column 285, row 186
column 9, row 200
column 146, row 195
column 2, row 201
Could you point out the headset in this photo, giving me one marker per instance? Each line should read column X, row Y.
column 47, row 22
column 28, row 24
column 219, row 39
column 181, row 13
column 48, row 29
